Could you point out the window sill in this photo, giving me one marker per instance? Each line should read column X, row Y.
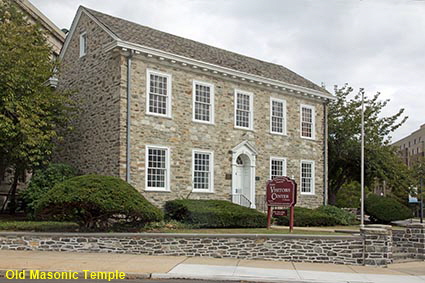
column 307, row 138
column 159, row 115
column 279, row 134
column 244, row 129
column 203, row 122
column 157, row 190
column 202, row 191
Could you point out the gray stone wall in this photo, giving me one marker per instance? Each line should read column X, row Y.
column 93, row 146
column 410, row 243
column 377, row 244
column 182, row 135
column 300, row 248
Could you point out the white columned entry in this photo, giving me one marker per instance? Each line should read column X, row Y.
column 243, row 174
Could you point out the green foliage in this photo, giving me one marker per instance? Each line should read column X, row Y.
column 381, row 161
column 214, row 214
column 38, row 226
column 385, row 209
column 31, row 112
column 322, row 216
column 349, row 195
column 97, row 203
column 343, row 217
column 42, row 181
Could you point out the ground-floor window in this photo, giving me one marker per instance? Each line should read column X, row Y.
column 277, row 167
column 157, row 168
column 203, row 170
column 307, row 177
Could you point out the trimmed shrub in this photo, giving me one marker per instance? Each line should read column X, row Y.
column 43, row 181
column 343, row 217
column 385, row 209
column 305, row 217
column 97, row 203
column 214, row 214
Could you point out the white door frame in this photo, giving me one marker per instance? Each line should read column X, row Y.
column 245, row 148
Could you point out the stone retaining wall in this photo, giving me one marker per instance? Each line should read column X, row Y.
column 411, row 242
column 321, row 249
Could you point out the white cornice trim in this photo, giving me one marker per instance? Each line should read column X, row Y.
column 216, row 69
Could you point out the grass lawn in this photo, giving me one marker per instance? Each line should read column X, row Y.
column 249, row 231
column 38, row 226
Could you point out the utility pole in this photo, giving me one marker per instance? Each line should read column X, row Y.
column 421, row 204
column 362, row 167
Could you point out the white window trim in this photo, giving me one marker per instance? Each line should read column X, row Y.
column 251, row 109
column 278, row 159
column 167, row 168
column 211, row 183
column 169, row 92
column 83, row 37
column 313, row 121
column 313, row 177
column 284, row 133
column 212, row 98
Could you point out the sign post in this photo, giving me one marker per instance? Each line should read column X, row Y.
column 281, row 192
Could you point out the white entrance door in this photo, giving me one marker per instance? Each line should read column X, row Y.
column 242, row 181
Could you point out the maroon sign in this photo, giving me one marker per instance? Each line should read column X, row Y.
column 280, row 212
column 281, row 191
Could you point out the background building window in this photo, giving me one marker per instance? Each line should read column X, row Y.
column 277, row 116
column 203, row 102
column 159, row 94
column 243, row 110
column 307, row 122
column 277, row 167
column 83, row 44
column 203, row 171
column 307, row 177
column 157, row 168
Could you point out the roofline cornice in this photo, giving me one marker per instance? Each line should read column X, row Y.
column 218, row 70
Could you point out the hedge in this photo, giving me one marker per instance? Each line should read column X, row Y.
column 214, row 214
column 385, row 209
column 97, row 203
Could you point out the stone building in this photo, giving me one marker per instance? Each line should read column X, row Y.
column 411, row 147
column 177, row 118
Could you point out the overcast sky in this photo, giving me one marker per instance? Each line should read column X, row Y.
column 378, row 45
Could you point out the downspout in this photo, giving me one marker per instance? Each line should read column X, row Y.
column 325, row 153
column 128, row 153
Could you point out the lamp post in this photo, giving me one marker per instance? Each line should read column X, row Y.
column 362, row 166
column 421, row 204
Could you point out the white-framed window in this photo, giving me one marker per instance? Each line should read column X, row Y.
column 203, row 102
column 277, row 167
column 307, row 121
column 307, row 177
column 244, row 110
column 277, row 116
column 157, row 168
column 83, row 44
column 203, row 171
column 158, row 97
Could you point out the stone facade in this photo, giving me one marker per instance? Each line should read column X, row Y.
column 410, row 243
column 99, row 142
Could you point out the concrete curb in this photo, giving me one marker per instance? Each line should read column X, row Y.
column 242, row 278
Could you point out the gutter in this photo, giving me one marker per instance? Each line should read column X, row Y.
column 128, row 130
column 325, row 153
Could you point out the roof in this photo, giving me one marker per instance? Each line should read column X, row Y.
column 145, row 36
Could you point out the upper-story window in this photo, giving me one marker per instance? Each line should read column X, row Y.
column 203, row 102
column 158, row 93
column 277, row 167
column 203, row 170
column 307, row 177
column 277, row 116
column 307, row 121
column 157, row 168
column 83, row 44
column 244, row 112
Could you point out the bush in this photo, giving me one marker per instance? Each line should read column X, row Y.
column 97, row 203
column 214, row 214
column 385, row 209
column 43, row 181
column 343, row 217
column 305, row 217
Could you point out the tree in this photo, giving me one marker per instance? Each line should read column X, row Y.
column 381, row 161
column 31, row 112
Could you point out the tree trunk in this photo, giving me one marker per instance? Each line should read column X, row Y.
column 13, row 189
column 331, row 197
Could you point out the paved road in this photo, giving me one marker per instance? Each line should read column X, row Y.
column 123, row 281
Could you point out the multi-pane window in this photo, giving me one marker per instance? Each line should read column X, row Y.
column 307, row 177
column 203, row 102
column 277, row 116
column 83, row 44
column 307, row 122
column 243, row 109
column 157, row 168
column 203, row 173
column 277, row 167
column 159, row 93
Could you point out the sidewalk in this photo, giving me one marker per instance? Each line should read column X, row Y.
column 169, row 267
